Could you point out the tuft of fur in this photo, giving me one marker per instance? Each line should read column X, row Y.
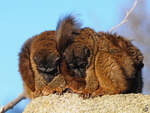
column 65, row 31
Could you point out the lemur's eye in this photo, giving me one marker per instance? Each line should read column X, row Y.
column 53, row 71
column 83, row 65
column 71, row 66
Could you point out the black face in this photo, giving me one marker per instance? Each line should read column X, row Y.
column 47, row 65
column 77, row 60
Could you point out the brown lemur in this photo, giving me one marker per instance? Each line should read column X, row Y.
column 77, row 48
column 79, row 59
column 97, row 63
column 39, row 66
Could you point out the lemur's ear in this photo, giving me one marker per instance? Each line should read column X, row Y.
column 66, row 30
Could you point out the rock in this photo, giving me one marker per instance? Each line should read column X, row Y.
column 72, row 103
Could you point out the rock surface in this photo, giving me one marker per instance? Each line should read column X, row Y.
column 72, row 103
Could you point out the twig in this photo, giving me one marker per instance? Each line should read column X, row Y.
column 11, row 104
column 126, row 16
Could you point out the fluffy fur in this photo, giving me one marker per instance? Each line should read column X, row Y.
column 65, row 31
column 39, row 65
column 81, row 61
column 98, row 63
column 127, row 56
column 78, row 56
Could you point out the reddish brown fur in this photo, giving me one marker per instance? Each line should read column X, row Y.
column 34, row 84
column 26, row 69
column 75, row 84
column 65, row 31
column 83, row 85
column 132, row 56
column 114, row 64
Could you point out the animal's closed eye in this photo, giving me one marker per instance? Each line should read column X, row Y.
column 42, row 69
column 52, row 71
column 71, row 66
column 83, row 65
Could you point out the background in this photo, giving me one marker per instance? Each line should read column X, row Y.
column 20, row 20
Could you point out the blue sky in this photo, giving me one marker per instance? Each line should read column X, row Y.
column 20, row 20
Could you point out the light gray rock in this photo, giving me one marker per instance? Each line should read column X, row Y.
column 72, row 103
